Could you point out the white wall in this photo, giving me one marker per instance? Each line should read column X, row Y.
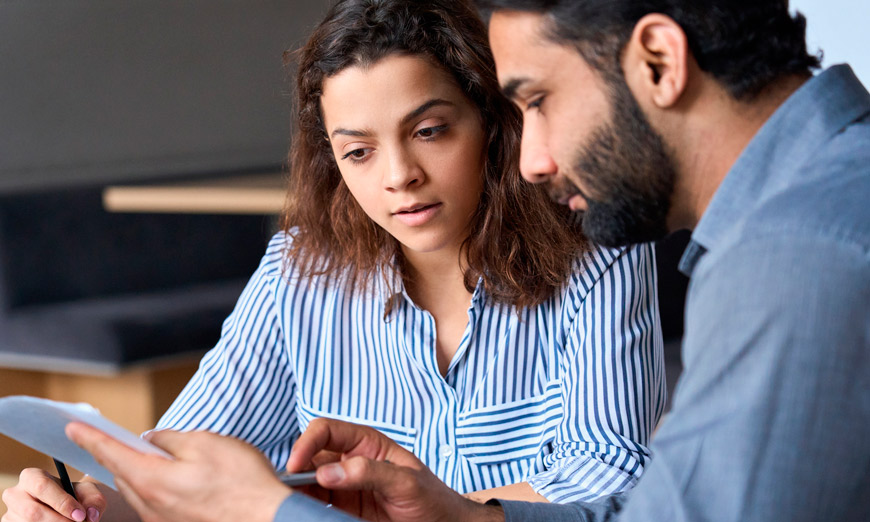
column 839, row 28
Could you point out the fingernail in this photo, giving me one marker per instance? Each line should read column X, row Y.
column 78, row 515
column 93, row 514
column 331, row 473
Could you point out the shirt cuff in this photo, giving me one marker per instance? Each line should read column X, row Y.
column 299, row 507
column 604, row 510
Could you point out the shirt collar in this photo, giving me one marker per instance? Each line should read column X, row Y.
column 392, row 287
column 818, row 110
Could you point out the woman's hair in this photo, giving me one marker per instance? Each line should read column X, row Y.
column 521, row 244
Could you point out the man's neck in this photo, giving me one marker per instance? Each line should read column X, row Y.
column 714, row 131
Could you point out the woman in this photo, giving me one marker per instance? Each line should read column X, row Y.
column 420, row 287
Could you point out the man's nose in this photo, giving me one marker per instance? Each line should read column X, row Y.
column 536, row 163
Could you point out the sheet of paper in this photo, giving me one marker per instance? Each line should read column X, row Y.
column 40, row 424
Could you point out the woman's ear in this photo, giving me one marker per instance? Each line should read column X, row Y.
column 655, row 61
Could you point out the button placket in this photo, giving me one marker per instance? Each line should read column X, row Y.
column 445, row 451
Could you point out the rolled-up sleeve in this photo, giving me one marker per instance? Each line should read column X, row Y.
column 613, row 387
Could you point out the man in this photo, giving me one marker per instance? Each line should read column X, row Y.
column 651, row 116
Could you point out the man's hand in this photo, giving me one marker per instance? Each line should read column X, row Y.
column 212, row 478
column 370, row 476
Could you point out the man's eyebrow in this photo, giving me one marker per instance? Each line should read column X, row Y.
column 435, row 102
column 510, row 88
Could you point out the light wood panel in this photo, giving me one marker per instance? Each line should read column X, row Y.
column 134, row 398
column 250, row 194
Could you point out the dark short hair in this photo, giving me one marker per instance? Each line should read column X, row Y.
column 744, row 44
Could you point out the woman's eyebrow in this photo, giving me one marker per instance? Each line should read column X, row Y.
column 435, row 102
column 349, row 132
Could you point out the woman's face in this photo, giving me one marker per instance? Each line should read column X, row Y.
column 410, row 147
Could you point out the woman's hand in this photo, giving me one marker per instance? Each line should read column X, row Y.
column 38, row 496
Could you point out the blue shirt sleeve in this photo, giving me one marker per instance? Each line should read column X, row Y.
column 602, row 510
column 771, row 417
column 245, row 386
column 771, row 414
column 613, row 388
column 301, row 508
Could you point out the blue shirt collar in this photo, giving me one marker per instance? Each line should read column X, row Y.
column 818, row 110
column 395, row 290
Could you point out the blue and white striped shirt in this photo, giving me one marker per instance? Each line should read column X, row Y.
column 563, row 395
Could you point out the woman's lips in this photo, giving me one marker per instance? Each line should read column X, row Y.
column 419, row 216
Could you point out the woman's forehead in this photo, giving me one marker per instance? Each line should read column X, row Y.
column 388, row 89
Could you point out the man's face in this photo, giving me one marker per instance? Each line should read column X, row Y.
column 583, row 136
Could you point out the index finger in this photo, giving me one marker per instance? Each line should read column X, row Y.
column 115, row 456
column 44, row 488
column 347, row 439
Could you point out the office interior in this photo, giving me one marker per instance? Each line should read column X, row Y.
column 115, row 306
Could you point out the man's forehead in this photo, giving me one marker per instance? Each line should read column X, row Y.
column 524, row 53
column 514, row 37
column 517, row 27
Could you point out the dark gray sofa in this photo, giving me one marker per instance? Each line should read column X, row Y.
column 84, row 290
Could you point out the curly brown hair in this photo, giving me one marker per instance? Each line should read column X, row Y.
column 522, row 245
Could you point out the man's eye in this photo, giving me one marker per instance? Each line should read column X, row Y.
column 536, row 103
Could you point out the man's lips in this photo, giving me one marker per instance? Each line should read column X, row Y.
column 577, row 202
column 561, row 190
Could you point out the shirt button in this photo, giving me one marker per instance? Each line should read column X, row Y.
column 446, row 451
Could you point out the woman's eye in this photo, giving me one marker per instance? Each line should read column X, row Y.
column 356, row 155
column 430, row 132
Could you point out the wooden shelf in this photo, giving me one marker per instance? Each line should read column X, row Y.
column 250, row 194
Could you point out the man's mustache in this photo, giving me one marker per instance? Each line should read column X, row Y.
column 561, row 190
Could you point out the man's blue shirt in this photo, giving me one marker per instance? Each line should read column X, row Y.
column 771, row 417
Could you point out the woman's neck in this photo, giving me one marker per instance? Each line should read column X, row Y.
column 436, row 283
column 436, row 277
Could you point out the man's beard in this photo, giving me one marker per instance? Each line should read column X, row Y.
column 627, row 174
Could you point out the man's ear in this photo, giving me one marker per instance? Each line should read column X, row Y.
column 655, row 60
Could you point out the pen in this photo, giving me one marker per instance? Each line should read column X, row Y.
column 64, row 478
column 298, row 479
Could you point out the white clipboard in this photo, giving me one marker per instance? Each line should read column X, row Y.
column 40, row 424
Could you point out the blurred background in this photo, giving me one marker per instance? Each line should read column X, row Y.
column 113, row 302
column 142, row 145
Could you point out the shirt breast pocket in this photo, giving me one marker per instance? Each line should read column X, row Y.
column 404, row 436
column 511, row 431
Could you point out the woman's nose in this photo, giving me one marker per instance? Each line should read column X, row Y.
column 403, row 171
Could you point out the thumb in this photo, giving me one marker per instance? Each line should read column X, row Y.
column 361, row 473
column 176, row 443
